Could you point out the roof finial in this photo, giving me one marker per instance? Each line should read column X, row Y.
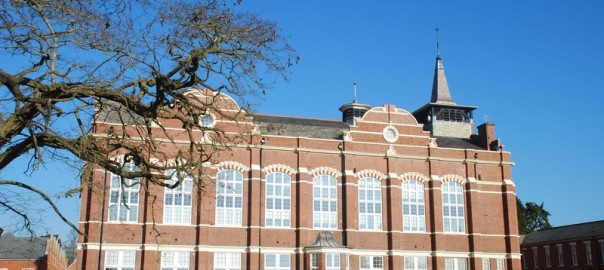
column 355, row 92
column 437, row 43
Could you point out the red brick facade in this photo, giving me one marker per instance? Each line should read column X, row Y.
column 487, row 219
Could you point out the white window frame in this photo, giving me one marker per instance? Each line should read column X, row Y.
column 207, row 120
column 175, row 260
column 456, row 263
column 500, row 264
column 601, row 242
column 573, row 254
column 548, row 259
column 414, row 206
column 325, row 202
column 374, row 262
column 278, row 200
column 416, row 263
column 227, row 261
column 282, row 261
column 370, row 204
column 560, row 253
column 124, row 198
column 124, row 259
column 588, row 254
column 524, row 255
column 453, row 208
column 229, row 198
column 314, row 261
column 486, row 264
column 535, row 257
column 332, row 261
column 178, row 200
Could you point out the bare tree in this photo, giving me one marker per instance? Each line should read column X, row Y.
column 65, row 63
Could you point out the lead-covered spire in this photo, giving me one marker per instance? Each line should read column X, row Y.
column 440, row 88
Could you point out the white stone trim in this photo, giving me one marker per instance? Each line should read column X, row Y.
column 413, row 176
column 325, row 171
column 279, row 168
column 370, row 173
column 453, row 178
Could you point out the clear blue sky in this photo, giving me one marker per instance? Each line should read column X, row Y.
column 535, row 68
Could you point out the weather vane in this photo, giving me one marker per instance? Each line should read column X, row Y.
column 437, row 43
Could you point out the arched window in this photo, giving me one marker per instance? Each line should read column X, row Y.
column 325, row 202
column 370, row 204
column 177, row 201
column 123, row 201
column 453, row 207
column 229, row 198
column 278, row 200
column 414, row 219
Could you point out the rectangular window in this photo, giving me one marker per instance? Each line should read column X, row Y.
column 347, row 261
column 314, row 261
column 332, row 261
column 548, row 260
column 456, row 264
column 486, row 264
column 535, row 258
column 370, row 204
column 500, row 264
column 119, row 260
column 278, row 200
column 588, row 253
column 524, row 256
column 416, row 263
column 560, row 255
column 453, row 208
column 123, row 199
column 414, row 219
column 177, row 201
column 372, row 263
column 601, row 251
column 573, row 254
column 277, row 262
column 173, row 260
column 229, row 198
column 227, row 261
column 325, row 202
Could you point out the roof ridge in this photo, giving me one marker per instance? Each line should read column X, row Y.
column 298, row 117
column 570, row 225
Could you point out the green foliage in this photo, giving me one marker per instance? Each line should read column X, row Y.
column 531, row 217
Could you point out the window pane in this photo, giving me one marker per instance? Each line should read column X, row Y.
column 325, row 202
column 229, row 201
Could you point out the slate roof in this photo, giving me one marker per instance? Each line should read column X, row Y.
column 459, row 143
column 575, row 231
column 325, row 240
column 292, row 126
column 300, row 127
column 22, row 248
column 117, row 114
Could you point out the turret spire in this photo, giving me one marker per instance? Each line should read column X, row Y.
column 440, row 88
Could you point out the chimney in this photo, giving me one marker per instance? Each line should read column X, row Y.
column 486, row 136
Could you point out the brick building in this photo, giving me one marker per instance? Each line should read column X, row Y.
column 577, row 246
column 381, row 189
column 31, row 253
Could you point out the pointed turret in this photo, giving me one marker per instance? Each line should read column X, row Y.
column 441, row 116
column 440, row 88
